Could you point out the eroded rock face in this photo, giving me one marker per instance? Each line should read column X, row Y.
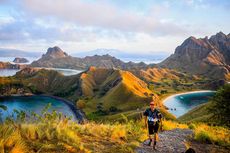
column 20, row 60
column 203, row 56
column 55, row 52
column 57, row 58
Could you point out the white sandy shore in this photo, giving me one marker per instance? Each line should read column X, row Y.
column 184, row 93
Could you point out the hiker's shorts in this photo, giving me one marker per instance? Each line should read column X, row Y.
column 153, row 128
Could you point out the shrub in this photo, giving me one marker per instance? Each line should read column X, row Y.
column 221, row 106
column 192, row 126
column 203, row 136
column 80, row 104
column 212, row 134
column 113, row 109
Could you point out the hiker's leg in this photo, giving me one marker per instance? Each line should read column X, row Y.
column 155, row 138
column 156, row 127
column 151, row 132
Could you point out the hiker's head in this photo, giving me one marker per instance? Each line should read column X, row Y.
column 152, row 104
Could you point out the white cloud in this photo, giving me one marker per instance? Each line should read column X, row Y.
column 77, row 25
column 102, row 15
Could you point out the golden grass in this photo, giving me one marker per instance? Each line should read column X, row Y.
column 156, row 74
column 212, row 134
column 68, row 136
column 170, row 125
column 128, row 93
column 134, row 84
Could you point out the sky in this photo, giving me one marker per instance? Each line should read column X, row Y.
column 133, row 26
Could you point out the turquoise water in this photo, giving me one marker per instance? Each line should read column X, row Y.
column 181, row 104
column 8, row 72
column 35, row 104
column 66, row 72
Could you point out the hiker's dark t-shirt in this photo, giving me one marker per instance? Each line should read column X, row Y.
column 153, row 116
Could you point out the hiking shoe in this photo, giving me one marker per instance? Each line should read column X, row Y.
column 149, row 144
column 154, row 145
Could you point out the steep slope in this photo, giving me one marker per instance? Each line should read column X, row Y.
column 156, row 74
column 206, row 57
column 117, row 88
column 50, row 82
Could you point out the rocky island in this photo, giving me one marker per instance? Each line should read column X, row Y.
column 20, row 60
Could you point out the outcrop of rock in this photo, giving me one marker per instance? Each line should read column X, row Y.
column 8, row 65
column 20, row 60
column 203, row 56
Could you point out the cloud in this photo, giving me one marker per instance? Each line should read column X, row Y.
column 102, row 15
column 86, row 25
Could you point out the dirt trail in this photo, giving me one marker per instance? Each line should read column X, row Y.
column 169, row 141
column 174, row 141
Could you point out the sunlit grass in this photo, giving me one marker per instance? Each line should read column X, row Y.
column 170, row 125
column 67, row 136
column 51, row 132
column 212, row 134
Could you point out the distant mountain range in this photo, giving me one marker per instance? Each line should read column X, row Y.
column 208, row 57
column 18, row 53
column 203, row 56
column 125, row 56
column 55, row 57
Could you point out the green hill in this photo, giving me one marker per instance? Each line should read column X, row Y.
column 198, row 114
column 111, row 88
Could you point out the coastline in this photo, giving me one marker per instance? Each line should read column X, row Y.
column 183, row 93
column 79, row 115
column 163, row 100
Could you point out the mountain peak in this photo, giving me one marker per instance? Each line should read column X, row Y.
column 55, row 52
column 220, row 34
column 202, row 56
column 191, row 42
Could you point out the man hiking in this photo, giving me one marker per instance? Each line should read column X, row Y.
column 153, row 119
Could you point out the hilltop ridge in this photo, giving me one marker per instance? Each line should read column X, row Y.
column 203, row 56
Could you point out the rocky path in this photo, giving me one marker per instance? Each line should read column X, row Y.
column 172, row 141
column 175, row 141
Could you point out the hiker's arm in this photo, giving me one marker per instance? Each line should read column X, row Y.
column 161, row 123
column 145, row 121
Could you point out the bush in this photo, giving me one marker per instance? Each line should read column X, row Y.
column 192, row 126
column 80, row 104
column 113, row 109
column 221, row 107
column 203, row 136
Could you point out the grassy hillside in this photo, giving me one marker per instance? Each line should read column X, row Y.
column 50, row 82
column 163, row 81
column 51, row 133
column 113, row 89
column 200, row 113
